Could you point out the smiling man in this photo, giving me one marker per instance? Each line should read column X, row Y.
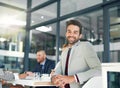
column 79, row 61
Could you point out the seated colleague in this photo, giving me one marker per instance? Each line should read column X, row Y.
column 47, row 65
column 44, row 65
column 8, row 76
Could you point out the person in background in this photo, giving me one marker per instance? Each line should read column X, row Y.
column 44, row 65
column 78, row 62
column 9, row 76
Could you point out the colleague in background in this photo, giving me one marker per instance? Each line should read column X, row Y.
column 78, row 62
column 9, row 76
column 44, row 65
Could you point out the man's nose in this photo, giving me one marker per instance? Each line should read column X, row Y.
column 71, row 34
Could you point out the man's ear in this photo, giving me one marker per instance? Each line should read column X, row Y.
column 80, row 36
column 44, row 56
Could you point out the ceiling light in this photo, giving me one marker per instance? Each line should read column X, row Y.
column 91, row 39
column 60, row 49
column 33, row 21
column 44, row 29
column 42, row 17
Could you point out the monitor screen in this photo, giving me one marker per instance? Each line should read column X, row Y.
column 113, row 79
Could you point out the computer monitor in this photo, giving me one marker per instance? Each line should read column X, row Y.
column 113, row 79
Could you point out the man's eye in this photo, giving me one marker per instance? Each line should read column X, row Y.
column 68, row 32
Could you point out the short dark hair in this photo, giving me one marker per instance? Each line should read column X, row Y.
column 74, row 22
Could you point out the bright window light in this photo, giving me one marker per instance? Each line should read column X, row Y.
column 2, row 39
column 8, row 20
column 44, row 29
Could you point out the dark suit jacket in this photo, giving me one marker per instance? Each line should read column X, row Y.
column 49, row 64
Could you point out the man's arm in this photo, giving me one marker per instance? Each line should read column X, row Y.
column 51, row 66
column 92, row 61
column 7, row 76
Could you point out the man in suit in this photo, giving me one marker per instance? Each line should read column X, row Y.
column 44, row 65
column 82, row 64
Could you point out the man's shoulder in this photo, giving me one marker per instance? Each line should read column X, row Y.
column 85, row 43
column 49, row 60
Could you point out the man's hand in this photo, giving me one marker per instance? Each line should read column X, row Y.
column 22, row 76
column 3, row 82
column 61, row 81
column 29, row 73
column 52, row 72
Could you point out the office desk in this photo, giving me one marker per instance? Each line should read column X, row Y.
column 32, row 82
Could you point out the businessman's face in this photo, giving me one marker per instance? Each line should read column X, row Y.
column 40, row 57
column 73, row 34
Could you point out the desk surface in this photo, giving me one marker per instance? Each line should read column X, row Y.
column 32, row 82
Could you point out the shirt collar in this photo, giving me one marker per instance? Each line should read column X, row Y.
column 76, row 44
column 43, row 63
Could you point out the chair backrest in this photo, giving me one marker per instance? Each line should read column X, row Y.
column 95, row 82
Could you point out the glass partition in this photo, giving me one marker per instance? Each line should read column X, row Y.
column 114, row 34
column 115, row 24
column 14, row 64
column 41, row 39
column 17, row 3
column 47, row 13
column 38, row 2
column 12, row 35
column 69, row 6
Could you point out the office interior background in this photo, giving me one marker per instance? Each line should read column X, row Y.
column 27, row 26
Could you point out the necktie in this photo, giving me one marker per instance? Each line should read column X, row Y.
column 41, row 69
column 66, row 67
